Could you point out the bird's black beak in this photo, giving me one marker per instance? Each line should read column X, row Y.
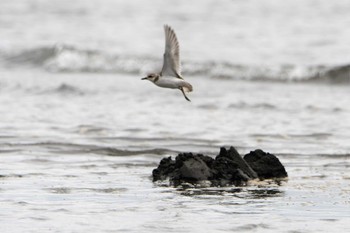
column 144, row 78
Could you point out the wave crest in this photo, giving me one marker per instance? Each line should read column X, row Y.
column 64, row 58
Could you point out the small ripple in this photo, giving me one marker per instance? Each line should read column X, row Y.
column 11, row 176
column 60, row 190
column 66, row 190
column 64, row 89
column 118, row 152
column 75, row 148
column 37, row 160
column 91, row 130
column 22, row 203
column 110, row 190
column 88, row 166
column 291, row 136
column 330, row 220
column 208, row 106
column 134, row 130
column 323, row 109
column 100, row 173
column 338, row 165
column 250, row 227
column 243, row 105
column 61, row 210
column 39, row 218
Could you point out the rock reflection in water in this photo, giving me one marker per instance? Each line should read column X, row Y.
column 237, row 192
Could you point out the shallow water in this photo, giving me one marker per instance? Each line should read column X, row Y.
column 74, row 193
column 80, row 133
column 77, row 152
column 101, row 193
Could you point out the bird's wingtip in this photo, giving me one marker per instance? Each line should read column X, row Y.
column 166, row 27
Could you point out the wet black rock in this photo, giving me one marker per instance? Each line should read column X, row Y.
column 266, row 165
column 194, row 169
column 186, row 167
column 226, row 171
column 165, row 169
column 233, row 155
column 227, row 168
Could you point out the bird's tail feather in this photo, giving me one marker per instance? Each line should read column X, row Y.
column 187, row 87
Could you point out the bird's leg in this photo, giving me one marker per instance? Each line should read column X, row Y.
column 182, row 90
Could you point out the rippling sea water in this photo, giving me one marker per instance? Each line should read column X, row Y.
column 80, row 133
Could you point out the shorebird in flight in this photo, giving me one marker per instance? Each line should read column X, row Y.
column 170, row 76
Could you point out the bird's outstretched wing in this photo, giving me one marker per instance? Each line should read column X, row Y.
column 171, row 62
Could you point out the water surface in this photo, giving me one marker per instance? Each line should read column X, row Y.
column 80, row 133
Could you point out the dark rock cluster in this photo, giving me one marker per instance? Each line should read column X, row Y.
column 228, row 168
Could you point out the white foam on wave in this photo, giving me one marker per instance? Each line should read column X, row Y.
column 66, row 58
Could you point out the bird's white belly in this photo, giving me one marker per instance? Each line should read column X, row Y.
column 167, row 82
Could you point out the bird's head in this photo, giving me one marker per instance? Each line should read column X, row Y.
column 151, row 77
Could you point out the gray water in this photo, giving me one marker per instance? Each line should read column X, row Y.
column 80, row 133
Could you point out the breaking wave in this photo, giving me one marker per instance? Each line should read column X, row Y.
column 63, row 58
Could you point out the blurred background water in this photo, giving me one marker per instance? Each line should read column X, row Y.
column 80, row 133
column 237, row 39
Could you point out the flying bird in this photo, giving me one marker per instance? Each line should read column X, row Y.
column 170, row 76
